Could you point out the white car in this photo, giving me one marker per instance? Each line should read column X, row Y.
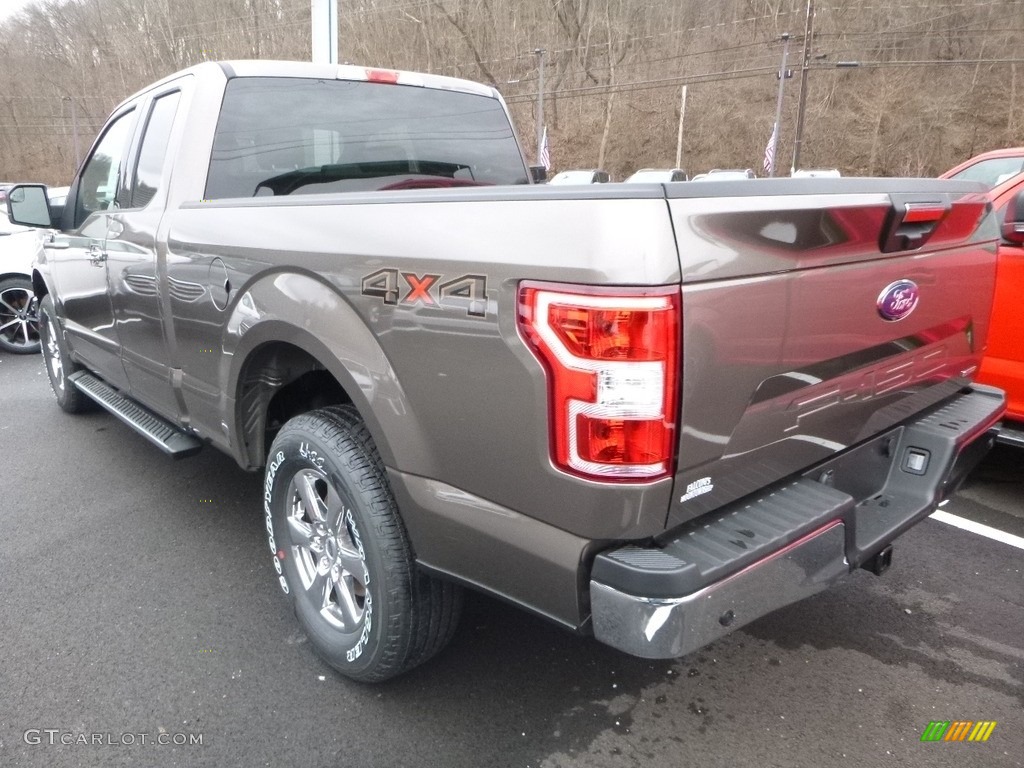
column 592, row 176
column 718, row 174
column 19, row 332
column 816, row 173
column 19, row 246
column 657, row 175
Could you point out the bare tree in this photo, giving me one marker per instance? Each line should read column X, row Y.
column 614, row 68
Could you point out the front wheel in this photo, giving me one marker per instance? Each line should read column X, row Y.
column 342, row 554
column 58, row 360
column 19, row 321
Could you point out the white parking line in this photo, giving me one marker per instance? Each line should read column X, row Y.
column 978, row 528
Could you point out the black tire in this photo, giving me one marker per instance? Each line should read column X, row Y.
column 19, row 320
column 58, row 362
column 342, row 553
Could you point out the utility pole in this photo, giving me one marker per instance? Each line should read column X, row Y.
column 802, row 103
column 776, row 129
column 540, row 102
column 324, row 23
column 679, row 136
column 74, row 129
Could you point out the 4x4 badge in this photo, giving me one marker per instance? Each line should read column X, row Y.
column 897, row 300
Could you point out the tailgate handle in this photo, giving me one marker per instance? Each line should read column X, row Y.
column 911, row 224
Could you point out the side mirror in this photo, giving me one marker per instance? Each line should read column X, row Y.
column 538, row 173
column 1013, row 224
column 28, row 205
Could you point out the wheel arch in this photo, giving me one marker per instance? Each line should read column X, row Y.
column 39, row 286
column 10, row 275
column 280, row 379
column 289, row 356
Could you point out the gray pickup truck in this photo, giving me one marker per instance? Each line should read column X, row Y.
column 648, row 412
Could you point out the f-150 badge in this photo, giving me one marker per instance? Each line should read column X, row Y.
column 897, row 300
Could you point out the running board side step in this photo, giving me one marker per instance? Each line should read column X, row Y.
column 164, row 435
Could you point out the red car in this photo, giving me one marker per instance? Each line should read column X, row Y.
column 1003, row 364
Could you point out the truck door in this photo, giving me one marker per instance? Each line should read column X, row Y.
column 78, row 256
column 134, row 253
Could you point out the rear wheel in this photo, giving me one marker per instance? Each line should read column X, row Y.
column 19, row 322
column 342, row 554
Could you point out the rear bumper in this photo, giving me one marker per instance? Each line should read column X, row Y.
column 1011, row 433
column 730, row 567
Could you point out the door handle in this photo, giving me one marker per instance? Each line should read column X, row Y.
column 96, row 255
column 58, row 245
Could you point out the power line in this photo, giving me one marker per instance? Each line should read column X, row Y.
column 644, row 85
column 674, row 57
column 889, row 7
column 675, row 81
column 955, row 30
column 632, row 39
column 932, row 63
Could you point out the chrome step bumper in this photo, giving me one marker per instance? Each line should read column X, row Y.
column 663, row 628
column 728, row 568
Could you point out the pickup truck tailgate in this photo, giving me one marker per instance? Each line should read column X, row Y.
column 813, row 322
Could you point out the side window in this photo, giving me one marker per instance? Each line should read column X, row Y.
column 153, row 152
column 97, row 189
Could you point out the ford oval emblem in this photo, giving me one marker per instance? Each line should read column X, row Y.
column 897, row 300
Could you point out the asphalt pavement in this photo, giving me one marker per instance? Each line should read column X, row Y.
column 142, row 626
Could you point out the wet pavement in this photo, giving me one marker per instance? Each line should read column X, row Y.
column 140, row 605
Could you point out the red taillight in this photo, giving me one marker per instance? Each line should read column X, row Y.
column 612, row 360
column 382, row 76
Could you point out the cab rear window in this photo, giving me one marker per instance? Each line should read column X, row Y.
column 286, row 136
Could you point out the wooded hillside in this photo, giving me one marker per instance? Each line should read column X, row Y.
column 937, row 81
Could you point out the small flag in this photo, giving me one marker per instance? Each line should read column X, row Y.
column 769, row 151
column 545, row 150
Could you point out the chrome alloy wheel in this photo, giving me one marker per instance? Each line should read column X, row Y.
column 53, row 359
column 327, row 551
column 19, row 322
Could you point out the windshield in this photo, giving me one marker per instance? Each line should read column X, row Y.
column 283, row 136
column 993, row 171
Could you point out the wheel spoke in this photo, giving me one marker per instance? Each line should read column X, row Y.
column 305, row 483
column 350, row 611
column 320, row 587
column 302, row 533
column 334, row 510
column 56, row 369
column 352, row 563
column 24, row 332
column 10, row 309
column 5, row 326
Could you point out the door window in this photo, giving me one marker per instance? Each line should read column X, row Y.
column 153, row 153
column 97, row 188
